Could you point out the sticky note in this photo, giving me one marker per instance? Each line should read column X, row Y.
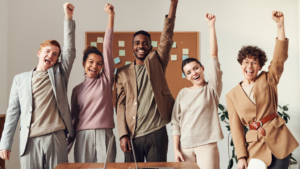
column 174, row 45
column 185, row 51
column 117, row 60
column 127, row 62
column 94, row 44
column 121, row 52
column 174, row 57
column 113, row 87
column 154, row 44
column 184, row 57
column 115, row 70
column 100, row 40
column 183, row 76
column 121, row 43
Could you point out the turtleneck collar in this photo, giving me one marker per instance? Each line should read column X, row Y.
column 91, row 78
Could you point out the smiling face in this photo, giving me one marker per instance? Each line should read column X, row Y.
column 194, row 73
column 141, row 46
column 48, row 56
column 250, row 68
column 93, row 65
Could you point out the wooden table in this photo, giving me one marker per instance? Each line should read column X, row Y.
column 176, row 165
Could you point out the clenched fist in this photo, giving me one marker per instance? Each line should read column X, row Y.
column 210, row 19
column 278, row 17
column 109, row 9
column 69, row 9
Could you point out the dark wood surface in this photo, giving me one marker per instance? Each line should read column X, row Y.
column 2, row 120
column 176, row 165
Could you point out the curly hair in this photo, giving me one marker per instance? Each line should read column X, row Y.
column 90, row 49
column 252, row 52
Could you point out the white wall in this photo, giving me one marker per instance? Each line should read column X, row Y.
column 239, row 23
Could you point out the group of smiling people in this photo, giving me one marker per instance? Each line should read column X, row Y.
column 144, row 104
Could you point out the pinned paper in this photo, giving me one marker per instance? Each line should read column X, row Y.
column 185, row 51
column 127, row 63
column 173, row 57
column 121, row 52
column 94, row 44
column 154, row 44
column 100, row 40
column 184, row 57
column 174, row 45
column 117, row 60
column 115, row 70
column 113, row 87
column 183, row 76
column 121, row 43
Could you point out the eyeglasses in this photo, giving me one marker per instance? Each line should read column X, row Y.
column 254, row 64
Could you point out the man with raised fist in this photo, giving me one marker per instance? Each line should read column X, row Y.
column 39, row 99
column 144, row 101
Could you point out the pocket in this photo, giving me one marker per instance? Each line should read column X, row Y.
column 166, row 92
column 251, row 136
column 278, row 122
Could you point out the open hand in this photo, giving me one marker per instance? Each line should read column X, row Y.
column 109, row 9
column 69, row 9
column 210, row 19
column 178, row 156
column 278, row 17
column 5, row 154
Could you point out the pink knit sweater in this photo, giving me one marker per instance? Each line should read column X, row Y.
column 91, row 102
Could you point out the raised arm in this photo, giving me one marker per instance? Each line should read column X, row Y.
column 166, row 39
column 109, row 68
column 215, row 73
column 69, row 52
column 211, row 19
column 281, row 49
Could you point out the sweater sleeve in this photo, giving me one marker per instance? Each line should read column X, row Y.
column 75, row 110
column 108, row 61
column 215, row 76
column 176, row 116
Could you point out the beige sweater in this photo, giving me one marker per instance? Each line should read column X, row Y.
column 195, row 113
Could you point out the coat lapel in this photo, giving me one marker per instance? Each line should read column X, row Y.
column 132, row 77
column 245, row 99
column 29, row 85
column 52, row 79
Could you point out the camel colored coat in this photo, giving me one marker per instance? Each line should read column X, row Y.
column 278, row 141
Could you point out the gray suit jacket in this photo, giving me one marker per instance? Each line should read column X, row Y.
column 20, row 99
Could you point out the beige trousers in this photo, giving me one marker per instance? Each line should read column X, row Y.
column 207, row 156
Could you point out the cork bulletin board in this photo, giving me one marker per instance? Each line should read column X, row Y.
column 186, row 44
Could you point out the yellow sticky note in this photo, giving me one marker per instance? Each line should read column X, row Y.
column 174, row 45
column 94, row 44
column 121, row 52
column 173, row 57
column 185, row 51
column 121, row 43
column 100, row 40
column 154, row 44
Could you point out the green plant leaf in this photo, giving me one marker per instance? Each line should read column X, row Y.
column 285, row 118
column 233, row 153
column 285, row 108
column 293, row 159
column 236, row 160
column 221, row 107
column 226, row 114
column 288, row 116
column 228, row 127
column 231, row 143
column 230, row 164
column 219, row 113
column 223, row 117
column 280, row 114
column 245, row 129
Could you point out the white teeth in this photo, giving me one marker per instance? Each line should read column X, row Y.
column 249, row 71
column 92, row 70
column 141, row 51
column 197, row 77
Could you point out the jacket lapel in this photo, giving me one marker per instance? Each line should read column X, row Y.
column 29, row 85
column 132, row 77
column 147, row 66
column 249, row 104
column 51, row 76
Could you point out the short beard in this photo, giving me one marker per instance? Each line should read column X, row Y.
column 142, row 59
